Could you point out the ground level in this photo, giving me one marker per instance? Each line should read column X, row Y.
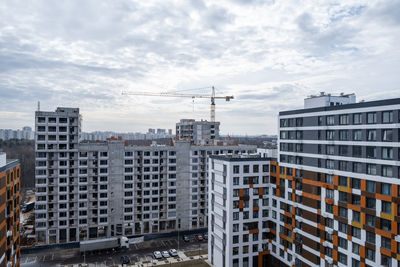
column 142, row 252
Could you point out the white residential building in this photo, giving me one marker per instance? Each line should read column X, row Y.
column 239, row 198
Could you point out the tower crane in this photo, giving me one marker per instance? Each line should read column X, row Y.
column 193, row 96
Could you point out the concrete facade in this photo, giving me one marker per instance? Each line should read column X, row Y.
column 197, row 131
column 87, row 190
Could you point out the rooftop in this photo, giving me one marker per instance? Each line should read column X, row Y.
column 362, row 104
column 243, row 157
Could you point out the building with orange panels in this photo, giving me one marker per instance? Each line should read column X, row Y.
column 10, row 173
column 338, row 183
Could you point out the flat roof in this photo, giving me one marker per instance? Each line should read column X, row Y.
column 376, row 103
column 11, row 163
column 235, row 158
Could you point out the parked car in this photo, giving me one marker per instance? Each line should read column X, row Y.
column 165, row 254
column 157, row 254
column 186, row 238
column 200, row 238
column 125, row 259
column 173, row 252
column 205, row 236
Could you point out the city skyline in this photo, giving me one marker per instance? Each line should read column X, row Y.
column 84, row 54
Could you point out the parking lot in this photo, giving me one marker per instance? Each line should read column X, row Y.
column 141, row 252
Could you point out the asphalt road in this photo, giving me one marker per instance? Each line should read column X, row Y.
column 137, row 252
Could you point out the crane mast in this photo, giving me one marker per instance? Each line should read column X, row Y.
column 212, row 97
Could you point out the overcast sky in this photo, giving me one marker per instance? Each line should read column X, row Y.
column 269, row 54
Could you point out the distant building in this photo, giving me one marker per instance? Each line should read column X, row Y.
column 152, row 131
column 26, row 133
column 268, row 152
column 10, row 173
column 169, row 131
column 197, row 131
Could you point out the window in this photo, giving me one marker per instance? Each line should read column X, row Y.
column 246, row 168
column 387, row 116
column 387, row 171
column 355, row 200
column 236, row 169
column 236, row 216
column 329, row 179
column 371, row 152
column 386, row 225
column 330, row 120
column 371, row 203
column 357, row 118
column 370, row 254
column 356, row 151
column 342, row 258
column 330, row 164
column 235, row 180
column 343, row 181
column 370, row 237
column 344, row 119
column 370, row 220
column 356, row 232
column 386, row 261
column 330, row 135
column 371, row 117
column 386, row 207
column 342, row 165
column 330, row 150
column 387, row 153
column 343, row 212
column 387, row 135
column 329, row 208
column 330, row 194
column 343, row 196
column 343, row 135
column 343, row 228
column 343, row 150
column 386, row 189
column 357, row 167
column 342, row 243
column 386, row 243
column 355, row 263
column 371, row 169
column 357, row 135
column 371, row 135
column 356, row 216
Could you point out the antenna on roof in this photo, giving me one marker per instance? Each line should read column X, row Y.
column 38, row 106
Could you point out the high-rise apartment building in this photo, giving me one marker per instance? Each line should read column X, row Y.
column 197, row 131
column 339, row 172
column 100, row 189
column 333, row 197
column 10, row 174
column 239, row 207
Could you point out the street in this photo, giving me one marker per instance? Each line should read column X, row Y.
column 142, row 252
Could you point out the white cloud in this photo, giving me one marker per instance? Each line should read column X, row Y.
column 269, row 54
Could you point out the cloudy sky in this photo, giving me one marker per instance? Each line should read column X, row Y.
column 268, row 54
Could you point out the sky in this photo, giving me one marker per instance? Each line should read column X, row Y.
column 269, row 55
